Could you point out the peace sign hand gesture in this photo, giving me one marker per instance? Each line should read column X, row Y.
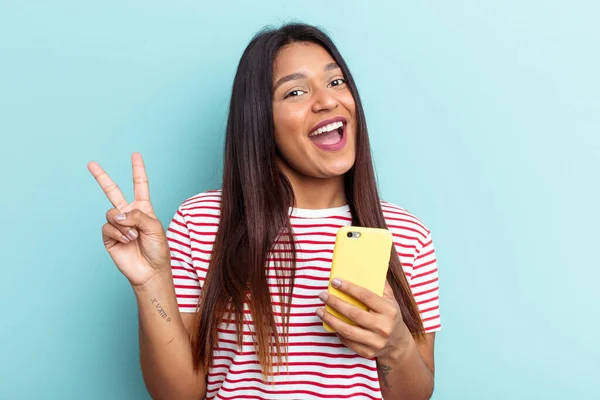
column 133, row 236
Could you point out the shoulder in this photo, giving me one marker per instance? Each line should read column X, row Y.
column 199, row 213
column 409, row 231
column 202, row 205
column 195, row 223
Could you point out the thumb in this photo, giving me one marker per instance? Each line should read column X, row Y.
column 138, row 219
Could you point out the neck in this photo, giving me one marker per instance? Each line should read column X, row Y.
column 315, row 193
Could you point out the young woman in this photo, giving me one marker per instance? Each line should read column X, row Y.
column 231, row 298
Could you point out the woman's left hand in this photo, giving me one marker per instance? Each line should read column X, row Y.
column 380, row 331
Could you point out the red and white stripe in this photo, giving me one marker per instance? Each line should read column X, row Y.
column 319, row 365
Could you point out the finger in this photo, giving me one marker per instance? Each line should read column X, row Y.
column 141, row 189
column 363, row 318
column 354, row 333
column 111, row 217
column 141, row 221
column 365, row 296
column 110, row 188
column 358, row 348
column 109, row 231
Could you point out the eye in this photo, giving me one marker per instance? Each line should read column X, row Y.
column 294, row 93
column 337, row 82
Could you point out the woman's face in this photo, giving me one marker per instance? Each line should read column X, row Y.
column 313, row 111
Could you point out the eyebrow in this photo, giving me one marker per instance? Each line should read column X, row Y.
column 300, row 75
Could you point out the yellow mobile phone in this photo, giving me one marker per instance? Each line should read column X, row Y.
column 361, row 256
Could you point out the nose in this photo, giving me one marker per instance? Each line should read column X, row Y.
column 324, row 101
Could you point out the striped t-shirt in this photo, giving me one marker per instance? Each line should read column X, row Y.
column 318, row 364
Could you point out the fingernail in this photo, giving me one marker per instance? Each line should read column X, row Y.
column 336, row 283
column 323, row 296
column 125, row 239
column 120, row 217
column 320, row 312
column 132, row 233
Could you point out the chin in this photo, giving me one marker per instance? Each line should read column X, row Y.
column 337, row 170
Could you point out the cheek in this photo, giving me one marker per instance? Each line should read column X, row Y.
column 347, row 101
column 289, row 126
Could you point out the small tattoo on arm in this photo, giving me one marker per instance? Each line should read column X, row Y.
column 384, row 370
column 160, row 310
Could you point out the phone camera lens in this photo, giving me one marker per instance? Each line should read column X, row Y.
column 350, row 234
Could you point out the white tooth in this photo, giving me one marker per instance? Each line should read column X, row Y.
column 327, row 128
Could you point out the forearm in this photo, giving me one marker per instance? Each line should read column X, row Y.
column 165, row 349
column 405, row 376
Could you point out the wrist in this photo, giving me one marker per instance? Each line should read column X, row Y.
column 153, row 283
column 398, row 355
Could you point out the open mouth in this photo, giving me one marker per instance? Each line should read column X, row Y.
column 328, row 135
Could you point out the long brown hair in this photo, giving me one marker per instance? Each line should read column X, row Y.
column 255, row 203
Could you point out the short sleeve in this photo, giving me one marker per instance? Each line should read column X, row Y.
column 185, row 278
column 425, row 286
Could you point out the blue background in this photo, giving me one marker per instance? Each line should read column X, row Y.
column 485, row 123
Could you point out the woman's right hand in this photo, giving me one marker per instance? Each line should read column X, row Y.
column 138, row 244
